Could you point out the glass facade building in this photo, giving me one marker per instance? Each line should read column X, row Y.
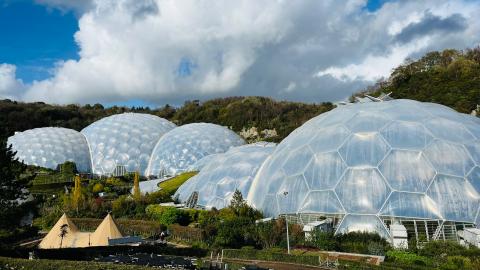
column 224, row 173
column 363, row 163
column 187, row 144
column 50, row 146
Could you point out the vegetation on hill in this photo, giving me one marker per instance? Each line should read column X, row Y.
column 235, row 112
column 450, row 77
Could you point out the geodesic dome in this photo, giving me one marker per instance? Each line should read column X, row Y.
column 222, row 175
column 125, row 140
column 363, row 162
column 50, row 146
column 185, row 145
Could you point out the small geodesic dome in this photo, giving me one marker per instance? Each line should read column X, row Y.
column 365, row 163
column 187, row 144
column 124, row 140
column 224, row 173
column 50, row 146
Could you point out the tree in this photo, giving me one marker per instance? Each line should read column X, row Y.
column 237, row 201
column 12, row 188
column 63, row 233
column 136, row 187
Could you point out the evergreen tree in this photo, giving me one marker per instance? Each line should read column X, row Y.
column 12, row 187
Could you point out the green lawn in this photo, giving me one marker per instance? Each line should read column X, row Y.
column 172, row 184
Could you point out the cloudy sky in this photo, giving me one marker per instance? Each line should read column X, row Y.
column 154, row 52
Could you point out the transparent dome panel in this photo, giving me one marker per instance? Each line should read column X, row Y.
column 474, row 150
column 449, row 158
column 124, row 140
column 364, row 149
column 362, row 223
column 325, row 202
column 406, row 135
column 295, row 189
column 389, row 138
column 324, row 171
column 230, row 171
column 474, row 178
column 48, row 147
column 187, row 144
column 441, row 128
column 410, row 205
column 366, row 122
column 407, row 170
column 329, row 139
column 362, row 191
column 445, row 191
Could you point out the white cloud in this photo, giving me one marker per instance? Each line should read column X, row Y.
column 373, row 67
column 169, row 50
column 10, row 87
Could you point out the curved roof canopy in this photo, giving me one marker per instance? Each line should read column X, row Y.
column 399, row 158
column 185, row 145
column 225, row 173
column 50, row 146
column 125, row 140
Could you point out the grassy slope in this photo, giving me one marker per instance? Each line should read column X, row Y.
column 172, row 184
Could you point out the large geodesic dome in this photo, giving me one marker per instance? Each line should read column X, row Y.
column 374, row 163
column 51, row 146
column 224, row 173
column 187, row 144
column 124, row 142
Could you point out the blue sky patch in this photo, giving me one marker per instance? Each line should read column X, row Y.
column 34, row 38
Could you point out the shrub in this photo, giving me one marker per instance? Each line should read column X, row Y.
column 167, row 215
column 407, row 258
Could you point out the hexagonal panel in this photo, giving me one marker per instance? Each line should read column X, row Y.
column 407, row 170
column 405, row 110
column 449, row 158
column 406, row 135
column 364, row 149
column 227, row 184
column 270, row 206
column 474, row 150
column 456, row 197
column 410, row 205
column 321, row 202
column 474, row 178
column 329, row 139
column 324, row 171
column 362, row 191
column 296, row 161
column 296, row 188
column 366, row 122
column 448, row 130
column 472, row 124
column 362, row 223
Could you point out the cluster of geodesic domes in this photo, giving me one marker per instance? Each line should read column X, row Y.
column 127, row 141
column 360, row 162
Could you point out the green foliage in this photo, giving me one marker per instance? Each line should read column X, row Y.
column 125, row 206
column 235, row 112
column 167, row 215
column 323, row 240
column 450, row 77
column 260, row 112
column 170, row 186
column 407, row 258
column 12, row 188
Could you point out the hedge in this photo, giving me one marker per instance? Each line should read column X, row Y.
column 248, row 254
column 127, row 226
column 24, row 264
